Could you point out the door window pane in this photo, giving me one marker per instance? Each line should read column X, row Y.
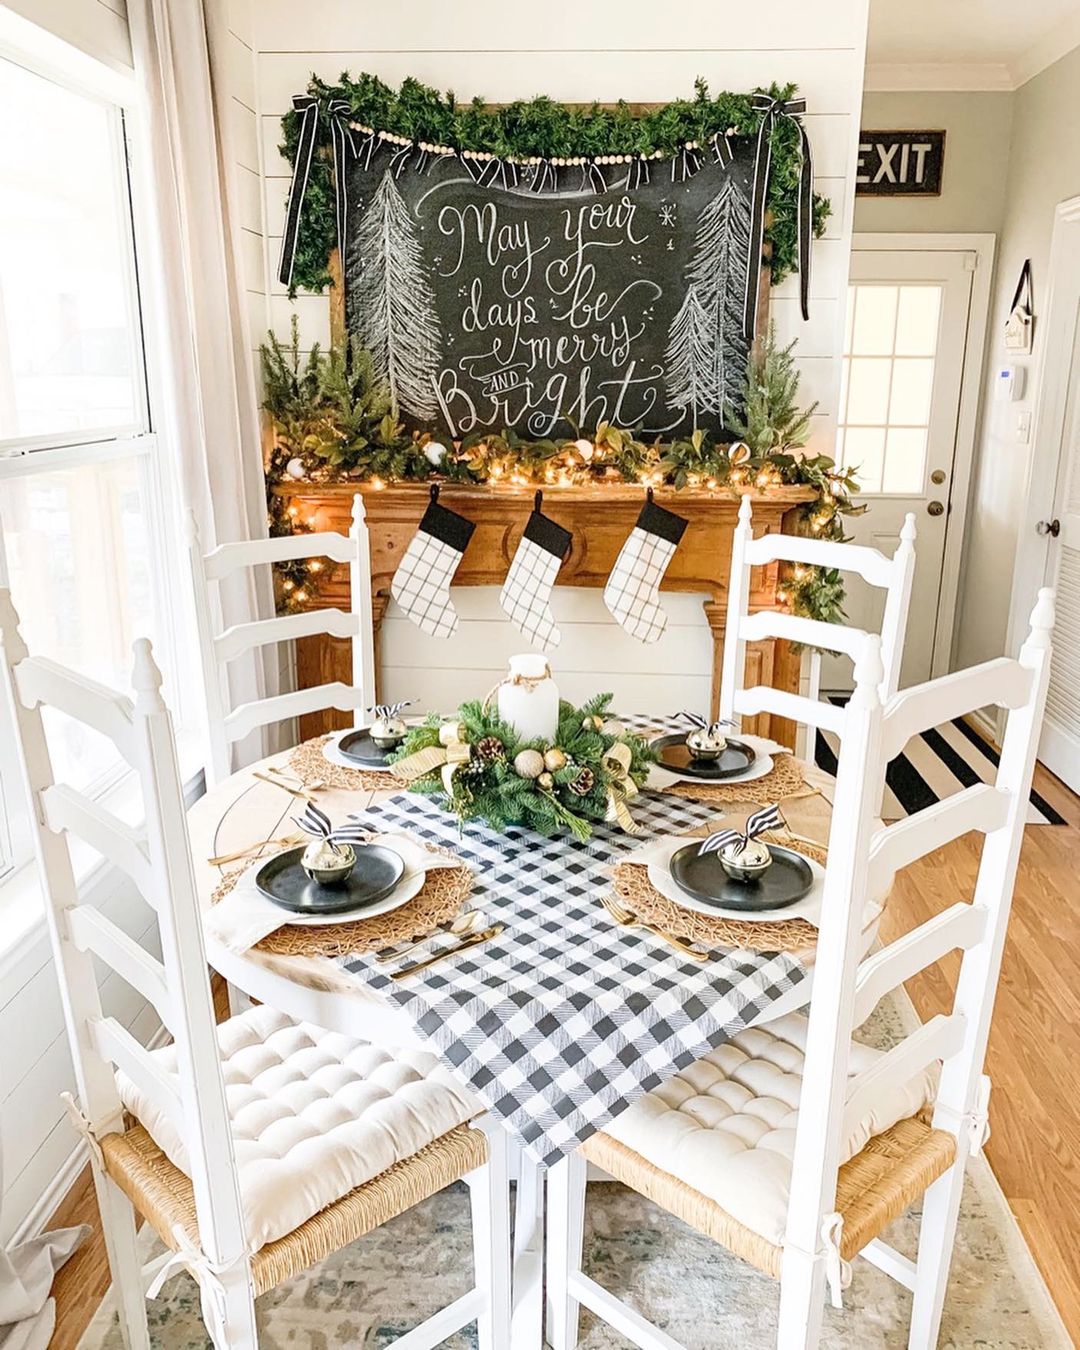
column 887, row 384
column 70, row 346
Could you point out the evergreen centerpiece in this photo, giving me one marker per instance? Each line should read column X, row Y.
column 477, row 767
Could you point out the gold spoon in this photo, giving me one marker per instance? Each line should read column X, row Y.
column 625, row 918
column 484, row 935
column 464, row 923
column 285, row 841
column 306, row 785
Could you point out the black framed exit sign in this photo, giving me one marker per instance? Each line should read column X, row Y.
column 899, row 163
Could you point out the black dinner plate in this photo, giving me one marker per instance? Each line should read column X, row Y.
column 702, row 876
column 361, row 749
column 282, row 880
column 674, row 755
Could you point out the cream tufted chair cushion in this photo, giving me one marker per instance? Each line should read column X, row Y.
column 726, row 1125
column 314, row 1114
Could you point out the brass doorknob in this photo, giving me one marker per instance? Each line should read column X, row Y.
column 935, row 509
column 938, row 477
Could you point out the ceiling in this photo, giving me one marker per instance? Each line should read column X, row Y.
column 966, row 44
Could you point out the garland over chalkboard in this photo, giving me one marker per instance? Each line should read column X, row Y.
column 542, row 139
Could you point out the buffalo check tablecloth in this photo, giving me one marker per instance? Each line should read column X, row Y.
column 562, row 1021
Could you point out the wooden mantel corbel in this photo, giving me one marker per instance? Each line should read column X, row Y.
column 598, row 516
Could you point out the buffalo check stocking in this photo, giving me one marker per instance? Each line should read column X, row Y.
column 632, row 593
column 421, row 584
column 526, row 593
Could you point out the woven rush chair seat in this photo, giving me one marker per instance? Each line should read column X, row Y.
column 713, row 1145
column 163, row 1195
column 314, row 1116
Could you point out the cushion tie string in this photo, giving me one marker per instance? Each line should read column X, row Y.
column 84, row 1128
column 837, row 1270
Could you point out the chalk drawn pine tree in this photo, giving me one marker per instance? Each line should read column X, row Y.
column 396, row 305
column 717, row 272
column 690, row 358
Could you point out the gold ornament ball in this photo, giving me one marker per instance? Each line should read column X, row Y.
column 529, row 764
column 592, row 723
column 546, row 781
column 554, row 759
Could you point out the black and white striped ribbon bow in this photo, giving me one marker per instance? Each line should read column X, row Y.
column 316, row 822
column 767, row 818
column 773, row 110
column 391, row 709
column 703, row 724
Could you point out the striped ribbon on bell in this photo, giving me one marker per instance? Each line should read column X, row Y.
column 760, row 822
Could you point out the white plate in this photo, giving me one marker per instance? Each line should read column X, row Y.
column 662, row 777
column 402, row 892
column 808, row 908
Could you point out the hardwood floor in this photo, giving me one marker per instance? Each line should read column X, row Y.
column 1034, row 1056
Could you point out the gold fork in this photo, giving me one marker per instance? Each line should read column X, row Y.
column 298, row 780
column 276, row 782
column 625, row 918
column 286, row 841
column 484, row 935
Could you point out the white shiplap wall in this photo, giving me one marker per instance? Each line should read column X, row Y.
column 605, row 51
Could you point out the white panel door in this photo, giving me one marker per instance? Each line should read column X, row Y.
column 1060, row 746
column 903, row 363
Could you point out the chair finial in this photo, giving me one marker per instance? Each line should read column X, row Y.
column 908, row 532
column 359, row 511
column 746, row 511
column 869, row 674
column 1042, row 622
column 11, row 640
column 146, row 678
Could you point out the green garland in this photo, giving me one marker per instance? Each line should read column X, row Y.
column 540, row 126
column 574, row 791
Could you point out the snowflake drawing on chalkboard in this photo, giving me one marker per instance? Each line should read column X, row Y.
column 668, row 213
column 397, row 320
column 707, row 349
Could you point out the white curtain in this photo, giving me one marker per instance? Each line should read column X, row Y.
column 211, row 402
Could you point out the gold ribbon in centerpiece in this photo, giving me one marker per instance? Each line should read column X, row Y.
column 448, row 756
column 616, row 762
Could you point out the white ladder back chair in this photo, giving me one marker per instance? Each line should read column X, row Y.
column 228, row 724
column 238, row 1231
column 158, row 861
column 846, row 989
column 837, row 1201
column 892, row 575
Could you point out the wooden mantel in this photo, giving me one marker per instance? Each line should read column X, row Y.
column 599, row 518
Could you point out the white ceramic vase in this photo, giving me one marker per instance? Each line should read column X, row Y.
column 529, row 698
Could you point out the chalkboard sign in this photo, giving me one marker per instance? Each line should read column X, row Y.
column 488, row 307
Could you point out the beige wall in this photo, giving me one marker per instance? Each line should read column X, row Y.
column 1044, row 169
column 978, row 129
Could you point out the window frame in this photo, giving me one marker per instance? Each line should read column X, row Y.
column 118, row 91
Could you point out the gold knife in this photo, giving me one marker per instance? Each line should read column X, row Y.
column 485, row 935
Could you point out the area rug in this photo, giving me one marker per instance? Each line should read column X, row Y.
column 374, row 1291
column 940, row 762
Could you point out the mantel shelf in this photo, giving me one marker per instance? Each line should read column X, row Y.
column 599, row 518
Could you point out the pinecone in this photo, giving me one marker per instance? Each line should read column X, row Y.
column 490, row 747
column 584, row 783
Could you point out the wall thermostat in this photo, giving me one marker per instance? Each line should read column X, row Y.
column 1009, row 384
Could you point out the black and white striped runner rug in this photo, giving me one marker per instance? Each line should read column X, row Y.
column 933, row 766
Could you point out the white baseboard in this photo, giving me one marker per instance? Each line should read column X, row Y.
column 985, row 721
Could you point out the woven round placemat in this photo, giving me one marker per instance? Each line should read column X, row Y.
column 784, row 779
column 444, row 892
column 636, row 891
column 309, row 762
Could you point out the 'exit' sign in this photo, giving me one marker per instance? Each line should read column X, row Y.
column 899, row 163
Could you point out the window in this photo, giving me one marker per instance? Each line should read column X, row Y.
column 85, row 543
column 886, row 384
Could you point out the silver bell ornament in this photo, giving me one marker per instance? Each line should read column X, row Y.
column 706, row 743
column 388, row 729
column 745, row 859
column 326, row 863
